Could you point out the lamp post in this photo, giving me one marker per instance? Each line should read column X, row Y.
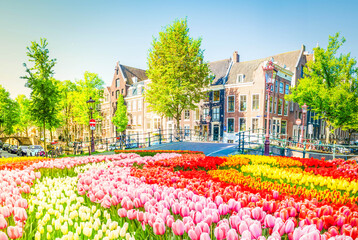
column 208, row 118
column 90, row 104
column 304, row 112
column 270, row 75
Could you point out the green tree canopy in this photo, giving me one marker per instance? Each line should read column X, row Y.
column 329, row 86
column 120, row 119
column 25, row 114
column 45, row 95
column 177, row 71
column 9, row 113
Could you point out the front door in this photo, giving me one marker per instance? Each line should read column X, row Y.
column 216, row 132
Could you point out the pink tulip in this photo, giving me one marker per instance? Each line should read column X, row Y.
column 261, row 238
column 219, row 233
column 256, row 213
column 170, row 221
column 199, row 207
column 3, row 236
column 140, row 216
column 246, row 234
column 275, row 194
column 218, row 200
column 235, row 222
column 215, row 217
column 269, row 221
column 176, row 208
column 178, row 227
column 14, row 232
column 289, row 226
column 3, row 222
column 255, row 230
column 159, row 228
column 184, row 211
column 232, row 235
column 122, row 212
column 223, row 209
column 205, row 236
column 5, row 211
column 20, row 214
column 192, row 234
column 198, row 217
column 243, row 227
column 132, row 214
column 21, row 203
column 204, row 227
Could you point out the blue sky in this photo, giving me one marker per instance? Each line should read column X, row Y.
column 93, row 35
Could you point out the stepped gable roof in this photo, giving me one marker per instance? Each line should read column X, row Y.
column 248, row 68
column 130, row 72
column 219, row 70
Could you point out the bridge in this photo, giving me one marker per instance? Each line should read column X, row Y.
column 21, row 140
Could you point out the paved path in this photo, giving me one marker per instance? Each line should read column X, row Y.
column 6, row 154
column 209, row 149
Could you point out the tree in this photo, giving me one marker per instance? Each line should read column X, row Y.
column 9, row 113
column 177, row 71
column 120, row 119
column 68, row 93
column 25, row 116
column 45, row 95
column 330, row 86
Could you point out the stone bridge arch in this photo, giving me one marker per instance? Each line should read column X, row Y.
column 21, row 140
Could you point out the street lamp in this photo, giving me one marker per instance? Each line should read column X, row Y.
column 304, row 112
column 208, row 118
column 270, row 75
column 91, row 104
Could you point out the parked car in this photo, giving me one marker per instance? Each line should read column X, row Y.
column 10, row 148
column 14, row 149
column 114, row 146
column 5, row 146
column 344, row 150
column 22, row 150
column 35, row 150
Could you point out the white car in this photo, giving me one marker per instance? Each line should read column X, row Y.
column 35, row 150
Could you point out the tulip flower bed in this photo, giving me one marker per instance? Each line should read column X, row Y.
column 179, row 196
column 143, row 153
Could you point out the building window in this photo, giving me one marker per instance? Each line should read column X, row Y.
column 186, row 114
column 134, row 107
column 276, row 86
column 129, row 106
column 271, row 104
column 140, row 103
column 230, row 125
column 240, row 78
column 117, row 94
column 122, row 90
column 170, row 119
column 285, row 109
column 243, row 101
column 275, row 105
column 287, row 89
column 112, row 93
column 216, row 96
column 242, row 124
column 148, row 124
column 134, row 91
column 280, row 103
column 156, row 123
column 281, row 87
column 255, row 102
column 197, row 114
column 230, row 103
column 140, row 120
column 117, row 82
column 216, row 114
column 255, row 125
column 205, row 113
column 134, row 120
column 284, row 127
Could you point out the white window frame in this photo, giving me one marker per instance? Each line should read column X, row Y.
column 140, row 102
column 214, row 119
column 204, row 116
column 238, row 77
column 282, row 107
column 118, row 84
column 252, row 102
column 239, row 123
column 129, row 106
column 213, row 96
column 227, row 125
column 258, row 123
column 186, row 119
column 288, row 108
column 240, row 102
column 227, row 103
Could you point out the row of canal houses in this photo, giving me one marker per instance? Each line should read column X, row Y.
column 236, row 100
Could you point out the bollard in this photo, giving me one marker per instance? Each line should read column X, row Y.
column 304, row 149
column 334, row 151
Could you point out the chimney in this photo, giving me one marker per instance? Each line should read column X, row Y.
column 236, row 57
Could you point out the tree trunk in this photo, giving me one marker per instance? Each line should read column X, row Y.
column 328, row 131
column 45, row 147
column 349, row 136
column 177, row 127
